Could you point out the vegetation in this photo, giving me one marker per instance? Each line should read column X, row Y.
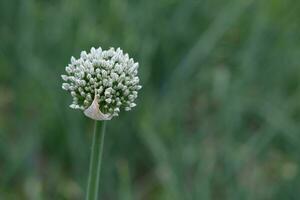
column 218, row 116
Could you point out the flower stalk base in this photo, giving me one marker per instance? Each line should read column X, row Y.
column 95, row 162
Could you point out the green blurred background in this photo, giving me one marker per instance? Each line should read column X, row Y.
column 218, row 116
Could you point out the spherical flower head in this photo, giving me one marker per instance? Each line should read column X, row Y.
column 102, row 82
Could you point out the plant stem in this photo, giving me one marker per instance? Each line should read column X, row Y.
column 95, row 162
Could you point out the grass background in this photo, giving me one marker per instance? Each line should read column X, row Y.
column 218, row 116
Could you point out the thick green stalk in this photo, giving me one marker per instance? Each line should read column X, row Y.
column 95, row 163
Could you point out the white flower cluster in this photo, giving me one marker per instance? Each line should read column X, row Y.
column 108, row 77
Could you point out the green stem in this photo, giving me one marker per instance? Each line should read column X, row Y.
column 95, row 163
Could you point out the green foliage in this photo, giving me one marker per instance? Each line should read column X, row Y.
column 217, row 118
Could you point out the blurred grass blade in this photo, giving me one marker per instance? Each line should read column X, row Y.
column 206, row 42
